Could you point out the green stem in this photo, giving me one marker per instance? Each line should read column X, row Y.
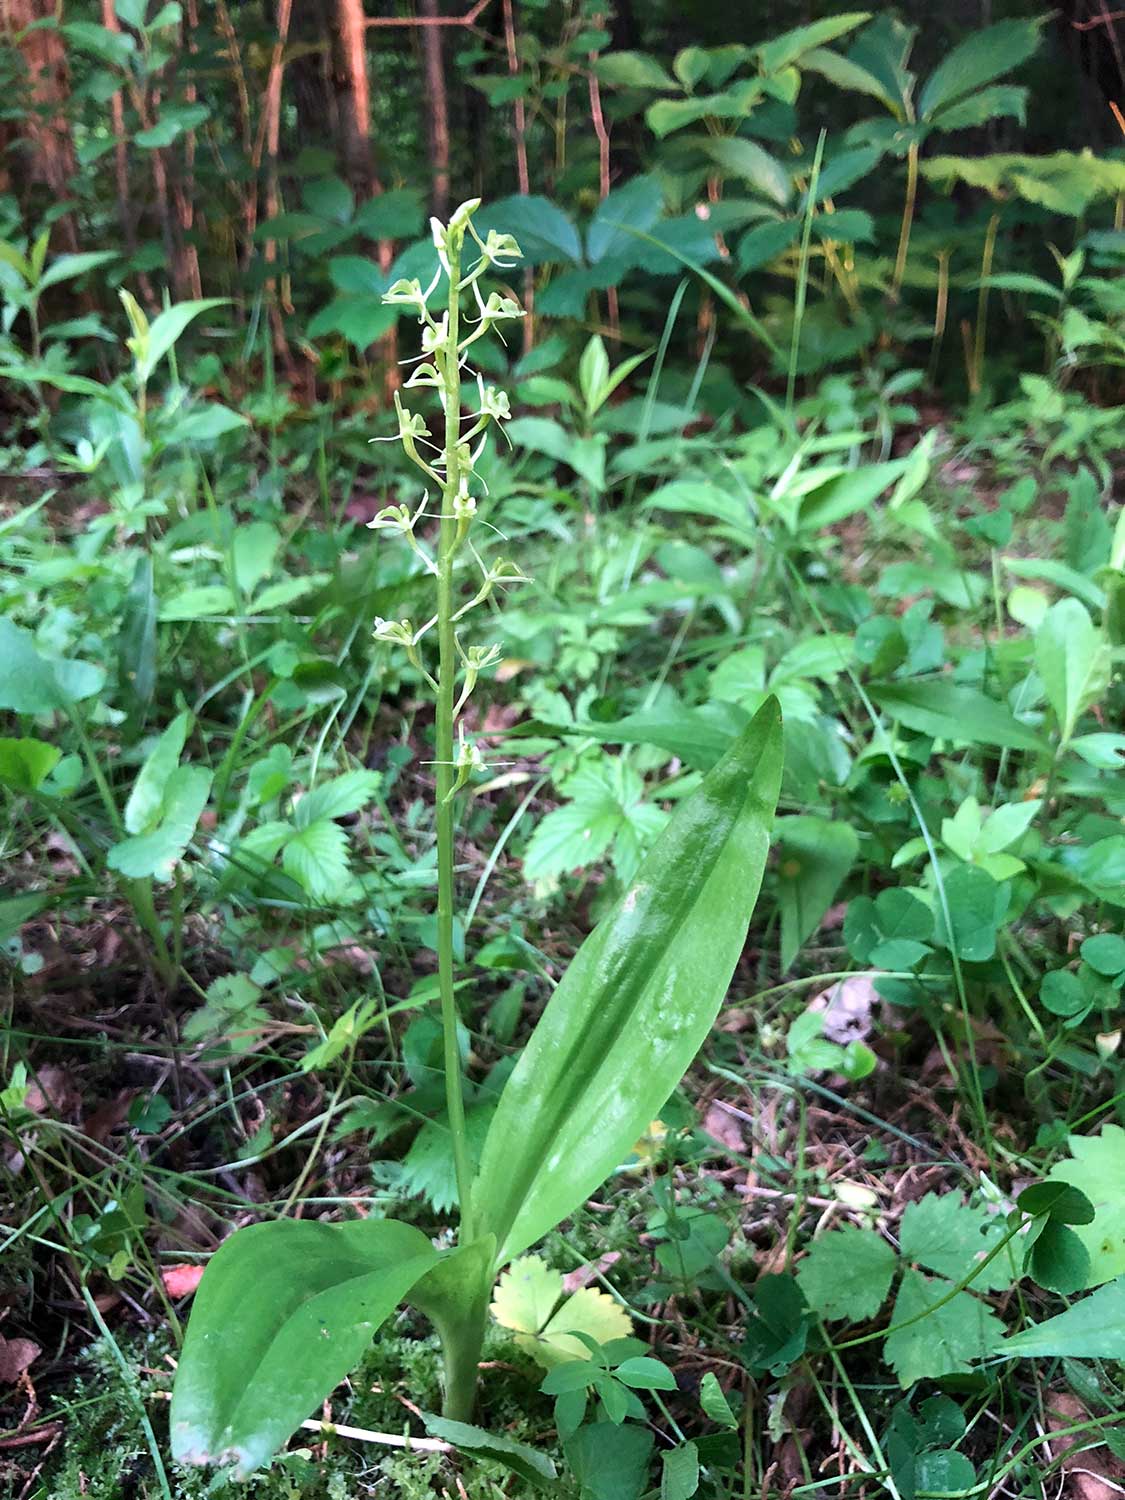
column 447, row 676
column 907, row 220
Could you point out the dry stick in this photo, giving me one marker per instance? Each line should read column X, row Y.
column 602, row 133
column 466, row 20
column 388, row 1439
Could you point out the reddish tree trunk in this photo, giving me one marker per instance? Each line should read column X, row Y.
column 50, row 149
column 436, row 105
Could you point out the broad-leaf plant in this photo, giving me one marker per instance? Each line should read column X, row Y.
column 287, row 1308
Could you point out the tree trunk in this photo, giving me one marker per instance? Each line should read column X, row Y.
column 436, row 106
column 354, row 94
column 51, row 161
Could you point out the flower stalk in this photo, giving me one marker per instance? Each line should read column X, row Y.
column 452, row 471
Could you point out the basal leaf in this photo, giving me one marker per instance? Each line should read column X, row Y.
column 283, row 1313
column 636, row 1002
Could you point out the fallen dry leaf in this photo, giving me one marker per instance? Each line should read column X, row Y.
column 181, row 1281
column 52, row 1092
column 16, row 1355
column 1093, row 1473
column 723, row 1127
column 585, row 1274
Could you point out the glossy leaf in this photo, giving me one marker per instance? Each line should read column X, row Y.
column 283, row 1313
column 636, row 1003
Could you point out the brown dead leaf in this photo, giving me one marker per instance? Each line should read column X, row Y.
column 581, row 1277
column 181, row 1281
column 53, row 1093
column 16, row 1356
column 849, row 1008
column 723, row 1127
column 1093, row 1473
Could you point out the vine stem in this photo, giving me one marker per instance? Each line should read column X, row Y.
column 447, row 674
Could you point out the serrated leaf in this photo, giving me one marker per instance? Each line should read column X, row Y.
column 947, row 1341
column 525, row 1301
column 978, row 60
column 847, row 1273
column 945, row 1235
column 317, row 859
column 338, row 797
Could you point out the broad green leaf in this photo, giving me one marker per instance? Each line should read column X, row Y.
column 253, row 551
column 610, row 1462
column 1058, row 1260
column 636, row 205
column 544, row 232
column 977, row 905
column 1100, row 867
column 154, row 855
column 699, row 497
column 847, row 493
column 276, row 595
column 743, row 158
column 735, row 103
column 1093, row 1328
column 845, row 74
column 198, row 603
column 26, row 763
column 1097, row 1168
column 949, row 711
column 816, row 855
column 947, row 1236
column 167, row 328
column 284, row 1311
column 636, row 1003
column 206, row 423
column 527, row 1462
column 317, row 859
column 173, row 122
column 66, row 267
column 714, row 1403
column 989, row 104
column 136, row 661
column 34, row 684
column 980, row 58
column 847, row 1273
column 791, row 46
column 679, row 1476
column 1074, row 661
column 586, row 456
column 633, row 70
column 142, row 811
column 947, row 1341
column 1105, row 953
column 337, row 798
